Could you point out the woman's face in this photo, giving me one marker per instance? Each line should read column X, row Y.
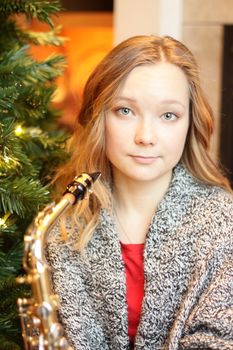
column 147, row 123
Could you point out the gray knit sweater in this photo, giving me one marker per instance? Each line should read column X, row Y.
column 188, row 266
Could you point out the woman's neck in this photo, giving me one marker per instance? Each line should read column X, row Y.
column 134, row 206
column 139, row 196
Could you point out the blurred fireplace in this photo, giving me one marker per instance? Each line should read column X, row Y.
column 89, row 38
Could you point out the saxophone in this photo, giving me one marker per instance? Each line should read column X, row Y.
column 38, row 315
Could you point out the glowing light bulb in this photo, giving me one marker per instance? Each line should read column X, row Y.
column 7, row 159
column 2, row 222
column 4, row 219
column 18, row 130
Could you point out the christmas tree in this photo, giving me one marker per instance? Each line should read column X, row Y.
column 31, row 144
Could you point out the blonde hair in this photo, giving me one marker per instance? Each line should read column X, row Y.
column 87, row 145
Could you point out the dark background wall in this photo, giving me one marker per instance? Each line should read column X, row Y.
column 226, row 154
column 88, row 5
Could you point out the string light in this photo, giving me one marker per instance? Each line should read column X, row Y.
column 9, row 162
column 7, row 159
column 4, row 219
column 18, row 130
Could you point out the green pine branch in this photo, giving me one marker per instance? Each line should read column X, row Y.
column 17, row 65
column 31, row 144
column 9, row 344
column 42, row 10
column 15, row 36
column 48, row 38
column 31, row 105
column 27, row 86
column 11, row 261
column 13, row 159
column 22, row 195
column 8, row 230
column 8, row 95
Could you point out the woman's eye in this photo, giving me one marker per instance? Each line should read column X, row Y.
column 169, row 116
column 124, row 110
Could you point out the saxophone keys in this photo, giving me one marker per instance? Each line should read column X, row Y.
column 44, row 310
column 55, row 301
column 28, row 279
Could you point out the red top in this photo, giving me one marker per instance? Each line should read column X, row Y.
column 133, row 258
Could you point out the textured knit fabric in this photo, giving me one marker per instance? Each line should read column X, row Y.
column 133, row 260
column 188, row 270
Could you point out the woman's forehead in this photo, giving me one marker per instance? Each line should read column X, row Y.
column 162, row 81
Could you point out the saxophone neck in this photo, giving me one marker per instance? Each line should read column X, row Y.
column 36, row 234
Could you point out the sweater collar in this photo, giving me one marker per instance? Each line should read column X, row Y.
column 181, row 185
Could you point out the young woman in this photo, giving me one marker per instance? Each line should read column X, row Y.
column 148, row 260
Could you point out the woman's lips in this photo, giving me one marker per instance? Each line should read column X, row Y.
column 143, row 159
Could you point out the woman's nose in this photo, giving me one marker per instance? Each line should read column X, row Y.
column 145, row 133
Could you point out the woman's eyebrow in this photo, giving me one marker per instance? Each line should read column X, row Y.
column 172, row 102
column 124, row 98
column 162, row 102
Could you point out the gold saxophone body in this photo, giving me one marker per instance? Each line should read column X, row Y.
column 38, row 315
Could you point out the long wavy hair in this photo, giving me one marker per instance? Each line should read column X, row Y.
column 87, row 144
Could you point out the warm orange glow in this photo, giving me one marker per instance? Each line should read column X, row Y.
column 89, row 38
